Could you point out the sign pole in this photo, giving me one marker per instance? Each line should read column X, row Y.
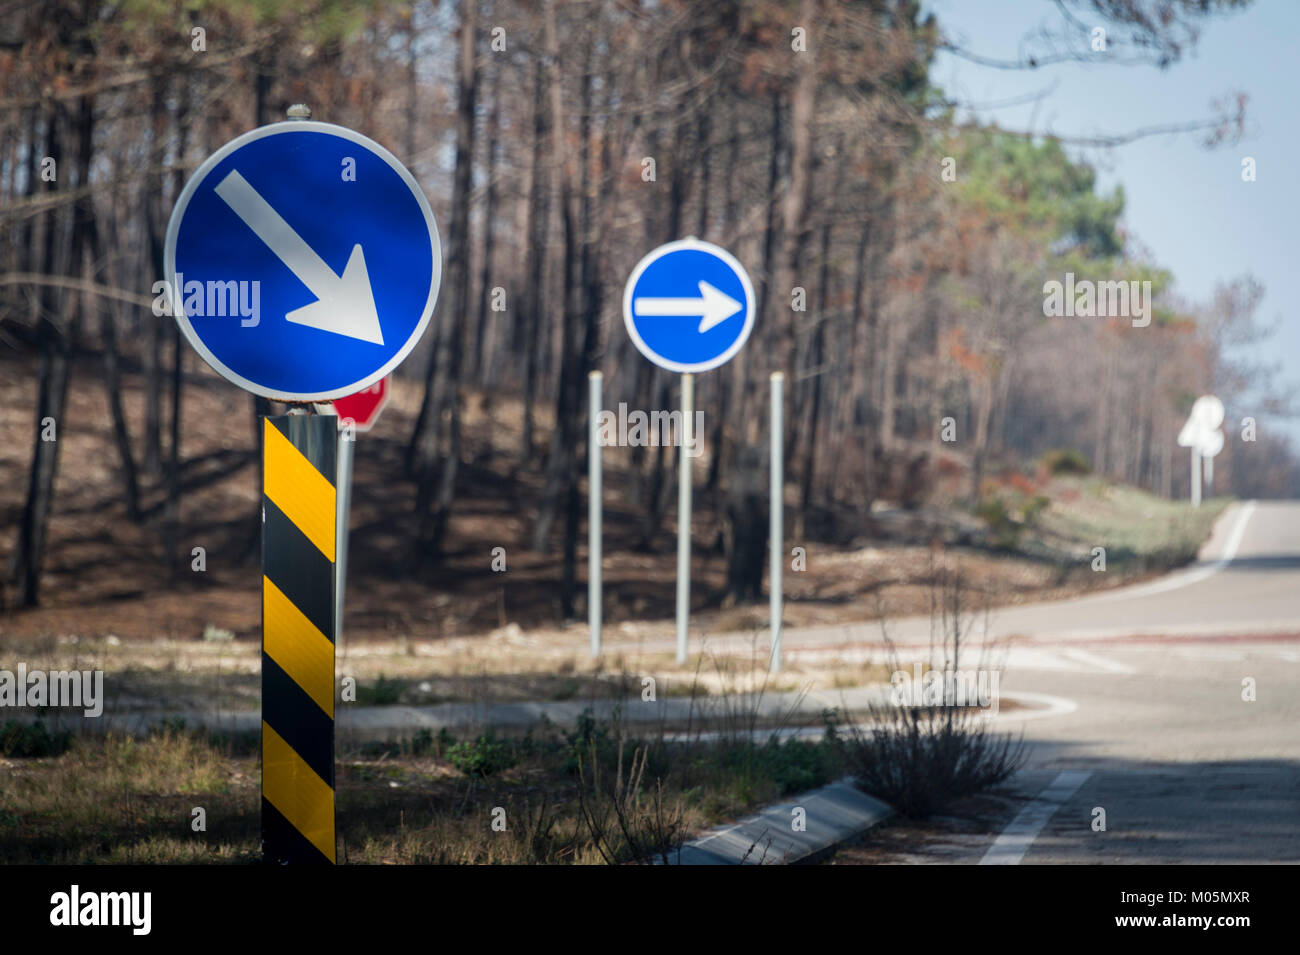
column 1196, row 478
column 1209, row 475
column 239, row 225
column 347, row 444
column 684, row 517
column 777, row 516
column 299, row 550
column 593, row 512
column 688, row 307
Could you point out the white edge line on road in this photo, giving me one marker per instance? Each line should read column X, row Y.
column 1010, row 847
column 1187, row 578
column 1049, row 706
column 1052, row 706
column 1097, row 662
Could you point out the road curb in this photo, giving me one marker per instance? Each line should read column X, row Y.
column 832, row 816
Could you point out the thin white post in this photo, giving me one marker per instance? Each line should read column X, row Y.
column 1196, row 477
column 343, row 502
column 684, row 517
column 593, row 512
column 777, row 512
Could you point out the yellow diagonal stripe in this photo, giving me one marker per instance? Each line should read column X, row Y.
column 299, row 490
column 299, row 794
column 297, row 646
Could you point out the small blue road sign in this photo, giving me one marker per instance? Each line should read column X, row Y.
column 302, row 261
column 689, row 306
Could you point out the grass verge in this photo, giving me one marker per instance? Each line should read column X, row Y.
column 595, row 793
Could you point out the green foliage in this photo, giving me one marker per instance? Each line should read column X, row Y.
column 484, row 756
column 993, row 511
column 424, row 743
column 320, row 21
column 796, row 765
column 587, row 729
column 383, row 692
column 756, row 772
column 603, row 738
column 1065, row 461
column 21, row 739
column 1033, row 507
column 1038, row 186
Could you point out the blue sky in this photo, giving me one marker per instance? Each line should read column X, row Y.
column 1185, row 203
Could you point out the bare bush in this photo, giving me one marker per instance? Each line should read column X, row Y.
column 918, row 758
column 627, row 824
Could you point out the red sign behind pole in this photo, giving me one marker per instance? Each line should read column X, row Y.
column 364, row 406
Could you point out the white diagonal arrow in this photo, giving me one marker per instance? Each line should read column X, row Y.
column 345, row 304
column 713, row 306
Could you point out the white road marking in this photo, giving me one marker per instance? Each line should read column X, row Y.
column 1044, row 705
column 1011, row 846
column 1047, row 706
column 1033, row 658
column 1195, row 576
column 1099, row 663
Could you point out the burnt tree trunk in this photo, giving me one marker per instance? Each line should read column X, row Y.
column 112, row 376
column 55, row 345
column 535, row 262
column 746, row 528
column 489, row 216
column 154, row 218
column 563, row 452
column 446, row 384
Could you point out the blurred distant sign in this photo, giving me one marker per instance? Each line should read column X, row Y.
column 1201, row 432
column 689, row 306
column 364, row 406
column 302, row 261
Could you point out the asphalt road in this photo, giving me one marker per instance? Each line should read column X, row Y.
column 1150, row 723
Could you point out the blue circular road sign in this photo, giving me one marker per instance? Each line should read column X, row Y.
column 689, row 306
column 302, row 261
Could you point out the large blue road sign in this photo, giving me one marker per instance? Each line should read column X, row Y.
column 302, row 261
column 689, row 306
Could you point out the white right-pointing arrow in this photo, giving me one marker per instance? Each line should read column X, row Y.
column 345, row 304
column 713, row 306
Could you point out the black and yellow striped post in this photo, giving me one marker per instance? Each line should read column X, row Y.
column 298, row 541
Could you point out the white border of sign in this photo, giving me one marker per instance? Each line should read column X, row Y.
column 655, row 255
column 178, row 213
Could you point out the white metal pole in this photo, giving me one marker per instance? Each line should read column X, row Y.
column 684, row 517
column 1196, row 478
column 343, row 502
column 593, row 512
column 1209, row 475
column 777, row 511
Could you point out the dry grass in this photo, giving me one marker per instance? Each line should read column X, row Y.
column 122, row 800
column 594, row 794
column 224, row 677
